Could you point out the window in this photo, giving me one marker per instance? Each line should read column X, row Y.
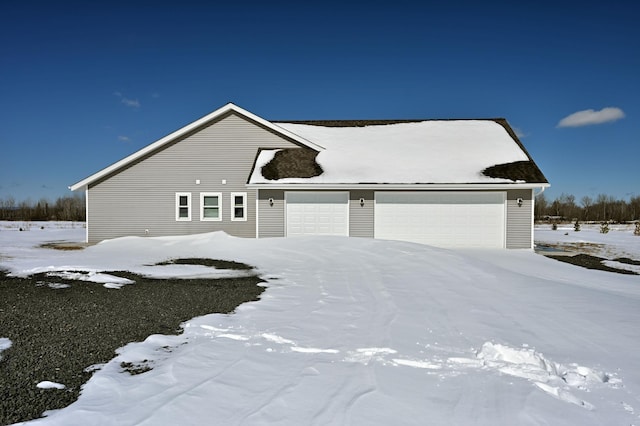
column 238, row 206
column 183, row 206
column 211, row 205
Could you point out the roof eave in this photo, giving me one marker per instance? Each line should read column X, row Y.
column 401, row 186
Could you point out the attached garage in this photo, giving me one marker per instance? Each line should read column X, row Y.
column 460, row 183
column 317, row 213
column 444, row 219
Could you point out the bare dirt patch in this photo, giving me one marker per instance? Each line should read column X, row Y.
column 594, row 262
column 580, row 247
column 213, row 263
column 64, row 245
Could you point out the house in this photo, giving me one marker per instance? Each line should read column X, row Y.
column 449, row 183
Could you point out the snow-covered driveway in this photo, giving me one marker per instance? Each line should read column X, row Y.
column 361, row 332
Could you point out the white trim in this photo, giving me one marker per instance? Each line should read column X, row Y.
column 178, row 206
column 505, row 218
column 86, row 215
column 257, row 215
column 233, row 206
column 533, row 219
column 230, row 107
column 399, row 186
column 202, row 206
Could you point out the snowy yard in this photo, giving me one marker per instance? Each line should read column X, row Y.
column 362, row 332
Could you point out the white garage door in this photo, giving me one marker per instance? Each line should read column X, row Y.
column 444, row 219
column 317, row 213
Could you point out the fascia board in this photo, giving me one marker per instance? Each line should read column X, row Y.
column 393, row 186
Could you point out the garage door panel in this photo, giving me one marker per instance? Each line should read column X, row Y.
column 447, row 219
column 317, row 213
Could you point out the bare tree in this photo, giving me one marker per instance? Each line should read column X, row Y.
column 586, row 202
column 602, row 204
column 634, row 207
column 541, row 206
column 8, row 208
column 65, row 208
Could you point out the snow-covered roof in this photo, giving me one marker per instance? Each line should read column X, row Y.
column 379, row 152
column 428, row 152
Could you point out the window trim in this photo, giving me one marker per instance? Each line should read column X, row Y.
column 244, row 206
column 202, row 206
column 188, row 206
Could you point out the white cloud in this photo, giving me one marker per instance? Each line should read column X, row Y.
column 519, row 133
column 133, row 103
column 589, row 117
column 124, row 138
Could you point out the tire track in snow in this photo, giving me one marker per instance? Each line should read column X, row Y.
column 554, row 379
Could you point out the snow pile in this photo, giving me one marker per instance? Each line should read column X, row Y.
column 50, row 385
column 107, row 280
column 361, row 331
column 436, row 151
column 620, row 265
column 55, row 286
column 551, row 377
column 5, row 344
column 191, row 272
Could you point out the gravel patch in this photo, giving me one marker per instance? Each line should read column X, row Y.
column 58, row 331
column 595, row 262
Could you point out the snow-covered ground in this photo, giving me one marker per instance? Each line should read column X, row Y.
column 361, row 332
column 618, row 242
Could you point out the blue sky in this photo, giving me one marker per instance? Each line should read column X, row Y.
column 82, row 85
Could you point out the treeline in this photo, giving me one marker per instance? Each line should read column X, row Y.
column 564, row 208
column 603, row 208
column 70, row 208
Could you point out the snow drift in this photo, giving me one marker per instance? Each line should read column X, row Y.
column 361, row 332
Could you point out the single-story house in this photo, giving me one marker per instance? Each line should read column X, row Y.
column 448, row 183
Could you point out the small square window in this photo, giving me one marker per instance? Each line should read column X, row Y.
column 238, row 206
column 183, row 206
column 211, row 204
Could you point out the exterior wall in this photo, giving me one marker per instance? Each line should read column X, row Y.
column 361, row 217
column 518, row 233
column 141, row 199
column 519, row 219
column 271, row 218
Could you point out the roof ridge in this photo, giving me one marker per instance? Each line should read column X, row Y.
column 374, row 122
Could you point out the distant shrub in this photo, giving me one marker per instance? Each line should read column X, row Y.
column 554, row 226
column 604, row 228
column 576, row 226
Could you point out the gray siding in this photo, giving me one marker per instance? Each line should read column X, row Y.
column 141, row 197
column 361, row 217
column 271, row 218
column 519, row 219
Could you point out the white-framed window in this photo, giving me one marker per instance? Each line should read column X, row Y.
column 183, row 206
column 210, row 206
column 239, row 206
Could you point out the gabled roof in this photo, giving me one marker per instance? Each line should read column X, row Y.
column 479, row 151
column 219, row 113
